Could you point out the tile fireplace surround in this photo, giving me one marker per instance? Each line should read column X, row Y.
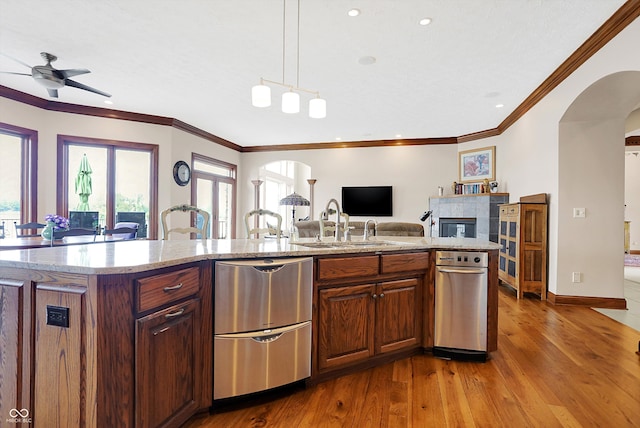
column 482, row 207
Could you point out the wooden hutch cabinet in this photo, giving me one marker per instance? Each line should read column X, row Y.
column 523, row 240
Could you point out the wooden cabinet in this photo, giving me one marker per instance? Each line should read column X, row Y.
column 523, row 253
column 168, row 361
column 168, row 349
column 370, row 310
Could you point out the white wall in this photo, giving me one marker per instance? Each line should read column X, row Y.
column 632, row 195
column 415, row 172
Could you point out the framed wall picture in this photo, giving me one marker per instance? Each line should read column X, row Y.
column 477, row 164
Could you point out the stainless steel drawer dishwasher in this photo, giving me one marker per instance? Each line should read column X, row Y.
column 262, row 324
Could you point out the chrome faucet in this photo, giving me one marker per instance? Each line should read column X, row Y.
column 365, row 236
column 338, row 213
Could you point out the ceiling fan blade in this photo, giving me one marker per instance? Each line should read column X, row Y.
column 53, row 93
column 15, row 59
column 78, row 85
column 12, row 72
column 73, row 72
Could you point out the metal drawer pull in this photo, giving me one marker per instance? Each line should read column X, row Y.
column 155, row 333
column 175, row 287
column 175, row 314
column 463, row 271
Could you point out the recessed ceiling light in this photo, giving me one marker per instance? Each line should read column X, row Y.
column 108, row 102
column 354, row 12
column 367, row 60
column 425, row 21
column 398, row 135
column 499, row 105
column 338, row 139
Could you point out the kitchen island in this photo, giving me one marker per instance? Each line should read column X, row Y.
column 83, row 327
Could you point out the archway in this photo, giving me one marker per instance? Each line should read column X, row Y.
column 591, row 176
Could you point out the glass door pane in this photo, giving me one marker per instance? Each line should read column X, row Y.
column 10, row 147
column 225, row 210
column 204, row 201
column 133, row 188
column 96, row 199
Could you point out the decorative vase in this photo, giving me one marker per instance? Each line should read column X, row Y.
column 47, row 232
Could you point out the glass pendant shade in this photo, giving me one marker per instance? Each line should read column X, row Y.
column 261, row 96
column 290, row 102
column 317, row 108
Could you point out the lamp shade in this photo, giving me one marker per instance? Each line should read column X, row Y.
column 290, row 102
column 295, row 200
column 317, row 108
column 261, row 96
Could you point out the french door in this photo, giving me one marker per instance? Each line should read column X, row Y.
column 214, row 190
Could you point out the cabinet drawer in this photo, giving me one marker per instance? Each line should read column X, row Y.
column 509, row 209
column 405, row 262
column 162, row 289
column 348, row 267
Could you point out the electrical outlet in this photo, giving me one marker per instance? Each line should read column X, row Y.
column 58, row 316
column 579, row 213
column 576, row 277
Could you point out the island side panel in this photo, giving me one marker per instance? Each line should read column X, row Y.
column 15, row 347
column 492, row 302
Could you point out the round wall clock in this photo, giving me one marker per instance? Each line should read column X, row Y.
column 181, row 173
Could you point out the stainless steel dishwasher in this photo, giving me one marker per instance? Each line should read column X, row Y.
column 262, row 324
column 461, row 305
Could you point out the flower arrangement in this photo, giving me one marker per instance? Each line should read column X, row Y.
column 59, row 222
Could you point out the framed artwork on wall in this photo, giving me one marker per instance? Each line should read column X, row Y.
column 477, row 164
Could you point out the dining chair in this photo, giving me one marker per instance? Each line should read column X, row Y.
column 199, row 227
column 27, row 229
column 76, row 231
column 274, row 230
column 122, row 231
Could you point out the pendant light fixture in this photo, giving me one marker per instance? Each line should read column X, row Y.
column 261, row 94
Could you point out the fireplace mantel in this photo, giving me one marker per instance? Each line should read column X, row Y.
column 483, row 207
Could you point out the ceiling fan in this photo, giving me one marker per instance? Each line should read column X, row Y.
column 52, row 78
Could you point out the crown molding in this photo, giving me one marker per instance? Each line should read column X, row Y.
column 625, row 15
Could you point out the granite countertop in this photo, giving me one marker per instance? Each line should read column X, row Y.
column 143, row 255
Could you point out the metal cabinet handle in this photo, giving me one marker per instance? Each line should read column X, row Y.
column 381, row 295
column 375, row 296
column 175, row 287
column 175, row 314
column 155, row 333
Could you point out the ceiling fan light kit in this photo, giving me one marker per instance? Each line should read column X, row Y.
column 261, row 94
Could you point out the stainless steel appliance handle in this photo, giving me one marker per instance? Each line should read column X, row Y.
column 465, row 271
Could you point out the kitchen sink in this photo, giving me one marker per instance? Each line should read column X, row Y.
column 343, row 244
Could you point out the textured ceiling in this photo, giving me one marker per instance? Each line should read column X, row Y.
column 196, row 60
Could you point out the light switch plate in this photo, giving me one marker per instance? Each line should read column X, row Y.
column 579, row 213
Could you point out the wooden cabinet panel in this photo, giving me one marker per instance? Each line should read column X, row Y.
column 523, row 253
column 345, row 325
column 14, row 393
column 398, row 315
column 60, row 374
column 168, row 363
column 347, row 267
column 392, row 263
column 158, row 290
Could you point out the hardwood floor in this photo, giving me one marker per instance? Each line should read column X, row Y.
column 556, row 366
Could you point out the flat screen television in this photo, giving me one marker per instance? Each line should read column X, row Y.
column 368, row 201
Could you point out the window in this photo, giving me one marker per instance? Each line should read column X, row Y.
column 18, row 198
column 281, row 178
column 123, row 180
